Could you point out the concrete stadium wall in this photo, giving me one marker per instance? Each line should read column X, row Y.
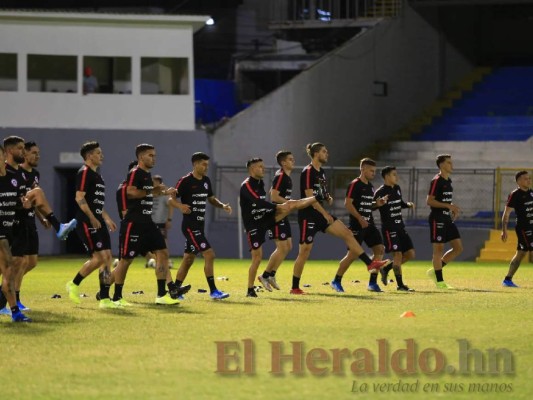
column 334, row 101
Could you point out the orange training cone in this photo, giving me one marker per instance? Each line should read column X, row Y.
column 408, row 314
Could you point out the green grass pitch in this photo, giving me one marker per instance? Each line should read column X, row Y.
column 352, row 345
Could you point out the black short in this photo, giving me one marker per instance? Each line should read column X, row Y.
column 93, row 239
column 195, row 240
column 397, row 240
column 309, row 227
column 19, row 245
column 140, row 238
column 369, row 235
column 442, row 231
column 256, row 234
column 281, row 231
column 33, row 239
column 525, row 239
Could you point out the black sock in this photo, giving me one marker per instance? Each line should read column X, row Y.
column 387, row 268
column 266, row 274
column 178, row 283
column 251, row 290
column 373, row 278
column 53, row 220
column 161, row 288
column 508, row 278
column 118, row 291
column 364, row 258
column 399, row 280
column 14, row 310
column 295, row 282
column 438, row 274
column 211, row 283
column 77, row 279
column 443, row 263
column 272, row 273
column 104, row 291
column 338, row 278
column 17, row 295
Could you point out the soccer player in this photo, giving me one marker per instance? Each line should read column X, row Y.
column 138, row 232
column 10, row 198
column 442, row 228
column 360, row 202
column 32, row 175
column 280, row 192
column 315, row 218
column 259, row 215
column 521, row 201
column 14, row 149
column 397, row 240
column 195, row 191
column 93, row 225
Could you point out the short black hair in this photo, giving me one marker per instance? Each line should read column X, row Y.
column 12, row 141
column 29, row 145
column 441, row 158
column 282, row 155
column 367, row 161
column 253, row 161
column 87, row 147
column 142, row 148
column 199, row 156
column 387, row 170
column 519, row 174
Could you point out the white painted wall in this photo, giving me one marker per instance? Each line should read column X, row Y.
column 96, row 35
column 333, row 101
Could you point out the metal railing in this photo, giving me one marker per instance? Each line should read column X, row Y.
column 331, row 11
column 480, row 193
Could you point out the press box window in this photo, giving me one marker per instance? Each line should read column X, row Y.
column 56, row 74
column 164, row 75
column 110, row 75
column 8, row 72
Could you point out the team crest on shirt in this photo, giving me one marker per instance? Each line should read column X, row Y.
column 206, row 186
column 14, row 182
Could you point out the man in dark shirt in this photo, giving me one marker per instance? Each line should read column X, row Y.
column 10, row 199
column 397, row 240
column 14, row 149
column 280, row 192
column 93, row 225
column 138, row 233
column 259, row 215
column 359, row 202
column 316, row 219
column 195, row 191
column 521, row 201
column 442, row 228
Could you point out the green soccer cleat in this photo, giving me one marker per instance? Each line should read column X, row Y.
column 431, row 274
column 73, row 292
column 443, row 285
column 107, row 303
column 123, row 303
column 166, row 300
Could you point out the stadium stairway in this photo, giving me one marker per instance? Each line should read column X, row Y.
column 497, row 251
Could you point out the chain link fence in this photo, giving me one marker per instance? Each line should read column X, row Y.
column 480, row 193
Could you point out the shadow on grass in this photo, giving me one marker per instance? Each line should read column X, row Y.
column 299, row 299
column 353, row 296
column 170, row 309
column 475, row 290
